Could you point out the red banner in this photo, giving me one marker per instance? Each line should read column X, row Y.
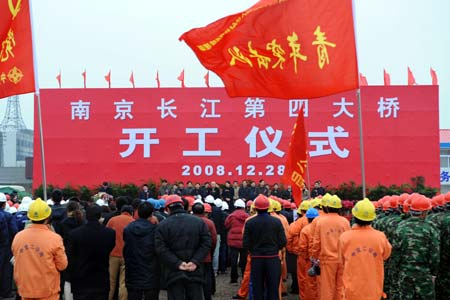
column 16, row 51
column 283, row 49
column 200, row 134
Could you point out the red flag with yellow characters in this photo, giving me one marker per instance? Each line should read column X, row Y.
column 282, row 49
column 16, row 54
column 296, row 164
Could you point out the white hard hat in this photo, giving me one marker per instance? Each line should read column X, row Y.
column 225, row 206
column 218, row 202
column 100, row 202
column 198, row 201
column 209, row 199
column 26, row 200
column 2, row 197
column 198, row 197
column 50, row 202
column 12, row 210
column 24, row 206
column 239, row 203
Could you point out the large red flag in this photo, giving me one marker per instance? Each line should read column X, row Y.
column 362, row 80
column 411, row 79
column 108, row 78
column 181, row 78
column 16, row 53
column 282, row 49
column 434, row 79
column 386, row 77
column 296, row 159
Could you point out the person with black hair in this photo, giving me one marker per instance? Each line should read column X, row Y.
column 318, row 190
column 88, row 252
column 116, row 261
column 182, row 242
column 142, row 274
column 120, row 202
column 105, row 188
column 198, row 210
column 59, row 212
column 146, row 193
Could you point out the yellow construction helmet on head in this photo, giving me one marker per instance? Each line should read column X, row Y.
column 39, row 210
column 305, row 205
column 315, row 202
column 334, row 202
column 272, row 205
column 276, row 206
column 364, row 210
column 326, row 199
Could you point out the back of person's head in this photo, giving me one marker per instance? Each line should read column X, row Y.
column 361, row 222
column 74, row 209
column 198, row 209
column 185, row 204
column 93, row 213
column 127, row 209
column 57, row 196
column 135, row 203
column 145, row 210
column 120, row 202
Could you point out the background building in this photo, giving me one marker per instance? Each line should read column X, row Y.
column 444, row 139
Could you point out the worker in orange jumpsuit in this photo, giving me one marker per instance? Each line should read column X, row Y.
column 39, row 256
column 305, row 243
column 328, row 229
column 362, row 252
column 293, row 244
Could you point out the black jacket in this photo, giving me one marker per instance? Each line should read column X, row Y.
column 264, row 236
column 227, row 192
column 244, row 192
column 59, row 213
column 320, row 191
column 218, row 217
column 67, row 226
column 182, row 238
column 141, row 263
column 289, row 215
column 88, row 253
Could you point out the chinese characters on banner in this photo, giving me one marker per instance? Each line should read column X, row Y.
column 200, row 134
column 16, row 51
column 283, row 49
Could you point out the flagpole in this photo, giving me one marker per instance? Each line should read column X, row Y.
column 307, row 177
column 361, row 143
column 38, row 96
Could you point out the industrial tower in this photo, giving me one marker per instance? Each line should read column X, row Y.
column 12, row 120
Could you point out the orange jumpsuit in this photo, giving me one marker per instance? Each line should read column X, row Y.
column 362, row 252
column 285, row 223
column 328, row 229
column 293, row 246
column 39, row 257
column 244, row 288
column 309, row 283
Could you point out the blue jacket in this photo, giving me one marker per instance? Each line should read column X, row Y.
column 11, row 225
column 21, row 220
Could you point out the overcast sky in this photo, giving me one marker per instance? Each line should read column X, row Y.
column 142, row 35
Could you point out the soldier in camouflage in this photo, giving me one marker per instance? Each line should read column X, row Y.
column 443, row 277
column 418, row 242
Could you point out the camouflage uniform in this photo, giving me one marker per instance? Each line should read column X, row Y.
column 443, row 277
column 418, row 243
column 390, row 275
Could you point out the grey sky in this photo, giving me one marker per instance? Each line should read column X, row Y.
column 142, row 35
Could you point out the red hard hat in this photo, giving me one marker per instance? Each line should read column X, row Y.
column 403, row 198
column 208, row 208
column 293, row 205
column 394, row 201
column 421, row 203
column 440, row 200
column 172, row 199
column 190, row 199
column 286, row 204
column 407, row 205
column 447, row 197
column 261, row 202
column 249, row 203
column 386, row 205
column 376, row 204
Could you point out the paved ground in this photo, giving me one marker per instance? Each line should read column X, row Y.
column 225, row 290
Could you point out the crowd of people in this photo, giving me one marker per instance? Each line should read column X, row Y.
column 397, row 247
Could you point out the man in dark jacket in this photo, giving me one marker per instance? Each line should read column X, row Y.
column 89, row 249
column 146, row 193
column 59, row 212
column 318, row 190
column 141, row 264
column 228, row 194
column 182, row 242
column 264, row 237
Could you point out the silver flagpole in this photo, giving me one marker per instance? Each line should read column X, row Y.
column 38, row 96
column 361, row 143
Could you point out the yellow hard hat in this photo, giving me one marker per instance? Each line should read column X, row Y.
column 277, row 206
column 315, row 202
column 364, row 210
column 305, row 205
column 272, row 205
column 334, row 202
column 39, row 210
column 326, row 199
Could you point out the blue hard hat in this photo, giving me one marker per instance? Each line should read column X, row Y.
column 312, row 213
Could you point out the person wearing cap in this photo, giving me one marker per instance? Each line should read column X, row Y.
column 182, row 242
column 116, row 261
column 418, row 242
column 264, row 237
column 293, row 246
column 142, row 274
column 89, row 248
column 327, row 231
column 39, row 256
column 287, row 211
column 362, row 252
column 8, row 230
column 307, row 284
column 218, row 218
column 198, row 210
column 234, row 223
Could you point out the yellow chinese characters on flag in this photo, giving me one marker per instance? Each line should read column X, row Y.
column 282, row 49
column 16, row 51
